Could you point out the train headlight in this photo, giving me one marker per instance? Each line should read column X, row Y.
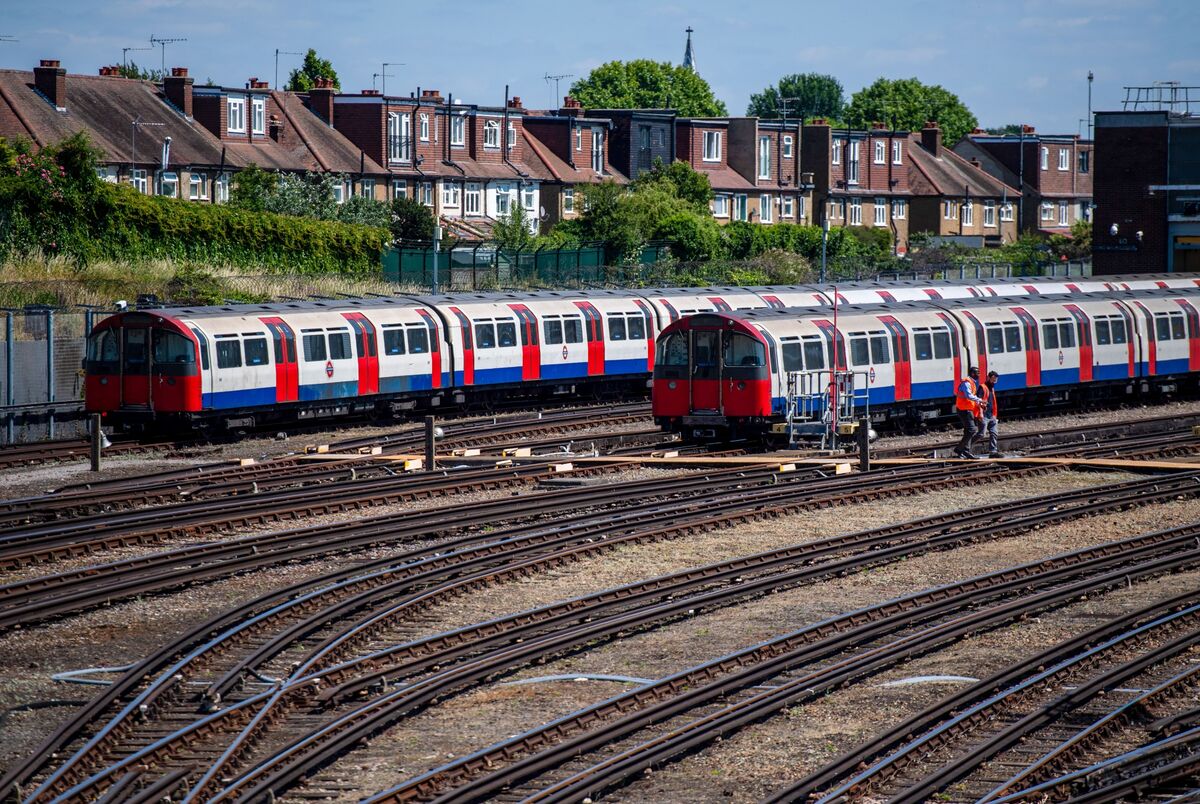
column 741, row 386
column 104, row 380
column 671, row 385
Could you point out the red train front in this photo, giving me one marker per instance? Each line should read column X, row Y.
column 712, row 377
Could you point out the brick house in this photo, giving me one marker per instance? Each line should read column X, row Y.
column 637, row 137
column 1052, row 172
column 1147, row 211
column 570, row 149
column 704, row 143
column 860, row 177
column 767, row 154
column 954, row 197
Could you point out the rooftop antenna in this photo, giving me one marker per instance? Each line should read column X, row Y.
column 7, row 38
column 163, row 42
column 279, row 53
column 125, row 52
column 555, row 78
column 384, row 75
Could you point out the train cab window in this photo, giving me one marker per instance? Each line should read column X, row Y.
column 485, row 336
column 256, row 351
column 1162, row 328
column 1103, row 335
column 1118, row 331
column 922, row 345
column 229, row 353
column 742, row 350
column 616, row 327
column 673, row 351
column 879, row 348
column 1012, row 337
column 552, row 332
column 418, row 340
column 860, row 352
column 169, row 347
column 1066, row 335
column 203, row 341
column 637, row 327
column 393, row 341
column 103, row 352
column 506, row 333
column 995, row 339
column 1049, row 336
column 339, row 345
column 573, row 330
column 314, row 348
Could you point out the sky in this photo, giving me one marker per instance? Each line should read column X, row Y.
column 1010, row 61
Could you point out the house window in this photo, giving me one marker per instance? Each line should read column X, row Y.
column 852, row 163
column 512, row 135
column 398, row 132
column 578, row 139
column 503, row 201
column 1062, row 213
column 427, row 193
column 568, row 200
column 721, row 206
column 458, row 127
column 451, row 194
column 1064, row 159
column 1084, row 160
column 765, row 212
column 237, row 115
column 948, row 210
column 837, row 152
column 491, row 134
column 739, row 208
column 197, row 187
column 366, row 188
column 880, row 152
column 258, row 109
column 899, row 208
column 399, row 188
column 222, row 188
column 989, row 213
column 881, row 210
column 107, row 173
column 789, row 207
column 764, row 157
column 712, row 146
column 529, row 197
column 787, row 146
column 1045, row 158
column 339, row 192
column 598, row 150
column 800, row 206
column 472, row 199
column 168, row 183
column 968, row 211
column 856, row 212
column 424, row 128
column 1047, row 211
column 896, row 152
column 1006, row 211
column 138, row 179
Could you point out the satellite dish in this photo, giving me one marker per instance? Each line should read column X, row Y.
column 542, row 213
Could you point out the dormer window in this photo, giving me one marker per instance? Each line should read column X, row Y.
column 512, row 135
column 424, row 128
column 258, row 108
column 458, row 128
column 237, row 116
column 712, row 146
column 491, row 134
column 787, row 146
column 398, row 137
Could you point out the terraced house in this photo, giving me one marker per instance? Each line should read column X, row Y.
column 767, row 154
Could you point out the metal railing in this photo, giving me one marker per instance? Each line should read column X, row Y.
column 819, row 402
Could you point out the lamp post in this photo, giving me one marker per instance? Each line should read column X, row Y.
column 824, row 245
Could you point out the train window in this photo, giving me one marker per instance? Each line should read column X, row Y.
column 418, row 340
column 1102, row 332
column 229, row 353
column 793, row 353
column 1012, row 337
column 1066, row 335
column 616, row 327
column 172, row 348
column 637, row 327
column 1049, row 336
column 506, row 333
column 1177, row 331
column 573, row 330
column 742, row 350
column 314, row 348
column 103, row 352
column 1162, row 328
column 339, row 345
column 485, row 336
column 923, row 345
column 941, row 344
column 814, row 355
column 860, row 354
column 879, row 348
column 393, row 341
column 674, row 350
column 705, row 344
column 995, row 339
column 256, row 351
column 1118, row 331
column 552, row 332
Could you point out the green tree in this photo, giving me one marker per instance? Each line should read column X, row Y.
column 682, row 179
column 411, row 221
column 906, row 103
column 511, row 231
column 1009, row 128
column 646, row 84
column 132, row 70
column 305, row 76
column 808, row 94
column 252, row 186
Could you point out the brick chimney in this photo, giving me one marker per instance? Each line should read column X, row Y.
column 976, row 163
column 515, row 102
column 51, row 80
column 178, row 88
column 1027, row 129
column 431, row 95
column 320, row 99
column 877, row 126
column 372, row 92
column 931, row 138
column 571, row 107
column 110, row 70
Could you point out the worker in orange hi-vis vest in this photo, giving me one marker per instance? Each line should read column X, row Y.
column 991, row 415
column 969, row 407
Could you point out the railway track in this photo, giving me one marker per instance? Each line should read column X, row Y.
column 15, row 455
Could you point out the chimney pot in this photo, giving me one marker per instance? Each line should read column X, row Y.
column 515, row 102
column 50, row 63
column 371, row 92
column 51, row 80
column 178, row 88
column 320, row 99
column 878, row 126
column 819, row 121
column 1027, row 129
column 179, row 72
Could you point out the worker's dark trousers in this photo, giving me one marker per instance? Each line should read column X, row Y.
column 970, row 429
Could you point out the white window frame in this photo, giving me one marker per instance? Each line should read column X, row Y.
column 836, row 152
column 339, row 192
column 897, row 152
column 578, row 138
column 880, row 212
column 138, row 179
column 235, row 115
column 472, row 199
column 948, row 210
column 399, row 134
column 800, row 207
column 503, row 200
column 1064, row 159
column 855, row 212
column 968, row 213
column 424, row 123
column 899, row 208
column 1063, row 218
column 568, row 200
column 1006, row 211
column 512, row 135
column 880, row 152
column 451, row 194
column 529, row 197
column 458, row 131
column 788, row 205
column 1047, row 211
column 741, row 207
column 258, row 115
column 720, row 206
column 766, row 213
column 366, row 188
column 852, row 162
column 222, row 188
column 598, row 151
column 491, row 134
column 162, row 180
column 711, row 141
column 787, row 146
column 427, row 193
column 1045, row 158
column 764, row 157
column 197, row 187
column 989, row 214
column 399, row 188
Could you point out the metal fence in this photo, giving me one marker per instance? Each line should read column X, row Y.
column 41, row 377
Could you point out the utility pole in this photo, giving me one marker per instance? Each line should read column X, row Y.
column 557, row 99
column 384, row 74
column 1091, row 77
column 279, row 52
column 824, row 245
column 163, row 42
column 125, row 53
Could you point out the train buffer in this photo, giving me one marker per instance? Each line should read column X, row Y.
column 824, row 406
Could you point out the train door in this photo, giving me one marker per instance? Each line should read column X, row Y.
column 1033, row 348
column 593, row 328
column 435, row 347
column 900, row 357
column 468, row 348
column 287, row 371
column 206, row 376
column 1193, row 334
column 366, row 349
column 531, row 350
column 650, row 335
column 1083, row 332
column 706, row 370
column 135, row 367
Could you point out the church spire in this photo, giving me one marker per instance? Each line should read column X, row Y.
column 689, row 56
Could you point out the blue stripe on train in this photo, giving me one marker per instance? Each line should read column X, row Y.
column 937, row 389
column 563, row 371
column 328, row 390
column 1178, row 366
column 244, row 398
column 635, row 365
column 412, row 382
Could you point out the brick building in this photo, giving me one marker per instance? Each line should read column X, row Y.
column 955, row 198
column 1147, row 216
column 767, row 154
column 860, row 178
column 1052, row 172
column 637, row 137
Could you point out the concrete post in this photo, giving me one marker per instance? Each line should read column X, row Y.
column 430, row 456
column 97, row 441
